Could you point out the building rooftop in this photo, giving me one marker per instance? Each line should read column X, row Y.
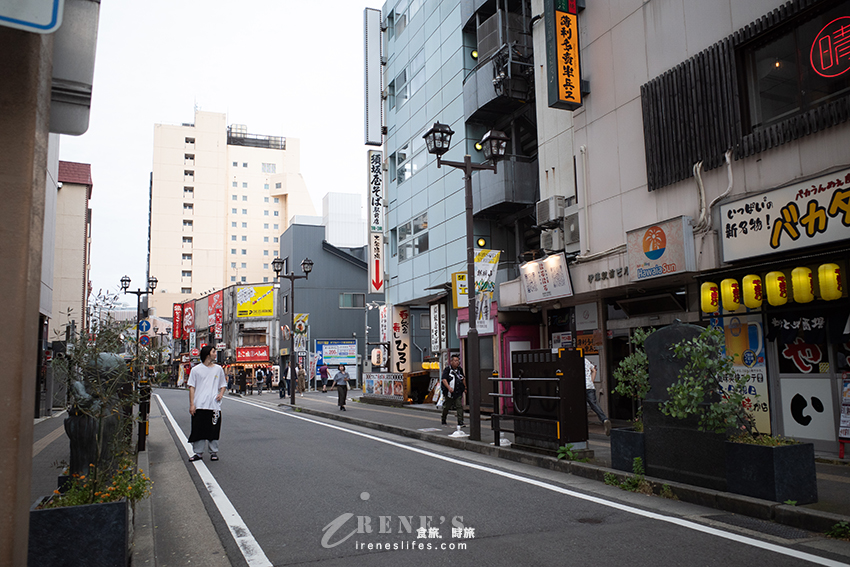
column 72, row 172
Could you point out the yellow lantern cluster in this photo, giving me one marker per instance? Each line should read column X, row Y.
column 753, row 291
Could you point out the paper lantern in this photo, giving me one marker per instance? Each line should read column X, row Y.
column 730, row 293
column 804, row 287
column 752, row 292
column 709, row 297
column 829, row 278
column 777, row 288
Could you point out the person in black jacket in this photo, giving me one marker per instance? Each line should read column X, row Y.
column 453, row 385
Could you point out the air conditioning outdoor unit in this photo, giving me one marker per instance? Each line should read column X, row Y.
column 552, row 239
column 550, row 209
column 571, row 229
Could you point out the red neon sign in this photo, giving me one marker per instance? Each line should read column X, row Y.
column 830, row 55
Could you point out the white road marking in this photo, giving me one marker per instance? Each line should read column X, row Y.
column 251, row 550
column 616, row 505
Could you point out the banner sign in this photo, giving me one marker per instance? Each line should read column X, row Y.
column 486, row 263
column 376, row 191
column 376, row 262
column 252, row 354
column 215, row 304
column 546, row 279
column 388, row 386
column 661, row 249
column 384, row 324
column 177, row 323
column 332, row 353
column 435, row 327
column 302, row 332
column 401, row 339
column 188, row 318
column 255, row 301
column 805, row 214
column 563, row 66
column 844, row 423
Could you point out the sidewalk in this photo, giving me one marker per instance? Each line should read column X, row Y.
column 423, row 422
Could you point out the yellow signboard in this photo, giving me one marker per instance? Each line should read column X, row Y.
column 460, row 297
column 255, row 301
column 562, row 54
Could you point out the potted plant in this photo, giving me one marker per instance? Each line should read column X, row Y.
column 632, row 375
column 88, row 520
column 757, row 465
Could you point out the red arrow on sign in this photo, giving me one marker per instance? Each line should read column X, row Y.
column 377, row 281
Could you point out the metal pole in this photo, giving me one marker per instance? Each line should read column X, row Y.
column 472, row 344
column 292, row 373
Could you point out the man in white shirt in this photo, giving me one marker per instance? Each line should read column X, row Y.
column 207, row 384
column 590, row 393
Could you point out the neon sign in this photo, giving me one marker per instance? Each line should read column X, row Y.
column 830, row 54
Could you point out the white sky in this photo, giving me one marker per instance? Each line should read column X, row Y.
column 282, row 67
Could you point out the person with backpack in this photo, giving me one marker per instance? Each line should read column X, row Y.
column 260, row 376
column 453, row 385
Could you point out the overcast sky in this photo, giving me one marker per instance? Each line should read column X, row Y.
column 282, row 67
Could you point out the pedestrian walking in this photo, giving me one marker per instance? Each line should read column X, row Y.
column 590, row 393
column 207, row 384
column 340, row 382
column 260, row 378
column 323, row 374
column 302, row 379
column 453, row 385
column 283, row 383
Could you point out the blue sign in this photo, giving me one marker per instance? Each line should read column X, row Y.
column 144, row 326
column 144, row 339
column 39, row 16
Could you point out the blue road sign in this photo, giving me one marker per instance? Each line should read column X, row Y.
column 144, row 326
column 38, row 16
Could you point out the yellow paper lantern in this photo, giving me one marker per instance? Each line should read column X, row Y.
column 804, row 287
column 777, row 288
column 753, row 291
column 829, row 278
column 709, row 297
column 730, row 293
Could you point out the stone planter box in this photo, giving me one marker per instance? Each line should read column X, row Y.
column 96, row 535
column 626, row 444
column 772, row 473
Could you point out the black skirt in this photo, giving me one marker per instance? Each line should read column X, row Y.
column 206, row 424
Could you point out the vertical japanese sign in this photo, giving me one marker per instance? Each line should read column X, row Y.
column 384, row 324
column 435, row 328
column 188, row 318
column 301, row 331
column 376, row 222
column 373, row 107
column 177, row 323
column 844, row 423
column 562, row 54
column 215, row 303
column 401, row 339
column 486, row 263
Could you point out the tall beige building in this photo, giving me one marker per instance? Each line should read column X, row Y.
column 220, row 199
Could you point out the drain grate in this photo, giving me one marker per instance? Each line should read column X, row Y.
column 769, row 528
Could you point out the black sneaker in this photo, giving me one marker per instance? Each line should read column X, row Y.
column 443, row 422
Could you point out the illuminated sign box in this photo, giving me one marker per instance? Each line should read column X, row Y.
column 661, row 249
column 563, row 66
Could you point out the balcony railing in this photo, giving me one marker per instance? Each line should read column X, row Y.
column 515, row 183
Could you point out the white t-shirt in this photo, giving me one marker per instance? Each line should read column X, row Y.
column 207, row 381
column 588, row 377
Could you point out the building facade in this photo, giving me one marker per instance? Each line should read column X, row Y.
column 220, row 198
column 344, row 221
column 710, row 187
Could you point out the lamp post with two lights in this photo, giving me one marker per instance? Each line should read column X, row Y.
column 144, row 400
column 306, row 267
column 438, row 139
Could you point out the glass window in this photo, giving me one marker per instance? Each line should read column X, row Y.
column 266, row 186
column 186, row 273
column 233, row 250
column 244, row 279
column 244, row 197
column 266, row 225
column 235, row 184
column 188, row 192
column 185, row 290
column 420, row 244
column 393, row 242
column 352, row 300
column 233, row 265
column 187, row 223
column 265, row 266
column 187, row 240
column 244, row 165
column 265, row 279
column 233, row 224
column 233, row 211
column 244, row 238
column 244, row 184
column 187, row 257
column 276, row 227
column 235, row 164
column 244, row 252
column 265, row 213
column 244, row 225
column 405, row 251
column 277, row 213
column 424, row 321
column 233, row 237
column 420, row 223
column 265, row 252
column 277, row 185
column 188, row 207
column 276, row 239
column 276, row 200
column 233, row 197
column 244, row 265
column 233, row 278
column 265, row 239
column 244, row 211
column 265, row 199
column 404, row 231
column 269, row 168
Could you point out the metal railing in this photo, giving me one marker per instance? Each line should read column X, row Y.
column 526, row 393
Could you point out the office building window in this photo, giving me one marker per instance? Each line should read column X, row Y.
column 277, row 185
column 265, row 213
column 352, row 300
column 244, row 197
column 233, row 211
column 233, row 265
column 265, row 199
column 235, row 184
column 265, row 266
column 244, row 252
column 244, row 211
column 277, row 200
column 244, row 238
column 244, row 225
column 269, row 168
column 276, row 239
column 233, row 278
column 276, row 227
column 244, row 279
column 244, row 164
column 233, row 250
column 277, row 213
column 265, row 279
column 187, row 257
column 187, row 224
column 409, row 159
column 187, row 240
column 188, row 208
column 265, row 239
column 244, row 184
column 233, row 237
column 266, row 225
column 235, row 164
column 265, row 252
column 266, row 186
column 233, row 197
column 411, row 238
column 188, row 192
column 186, row 273
column 233, row 224
column 244, row 264
column 185, row 290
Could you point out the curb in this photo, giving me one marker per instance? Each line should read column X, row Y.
column 802, row 518
column 143, row 549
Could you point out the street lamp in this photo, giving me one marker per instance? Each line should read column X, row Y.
column 306, row 267
column 438, row 140
column 125, row 284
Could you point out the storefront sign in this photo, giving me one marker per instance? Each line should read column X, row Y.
column 215, row 304
column 804, row 214
column 376, row 191
column 829, row 55
column 562, row 54
column 586, row 319
column 844, row 424
column 384, row 323
column 460, row 297
column 388, row 386
column 177, row 325
column 332, row 353
column 585, row 342
column 661, row 249
column 400, row 340
column 435, row 327
column 255, row 301
column 188, row 318
column 608, row 275
column 302, row 332
column 546, row 279
column 486, row 263
column 252, row 354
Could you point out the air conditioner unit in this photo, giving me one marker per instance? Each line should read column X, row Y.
column 552, row 239
column 550, row 209
column 385, row 165
column 571, row 229
column 385, row 94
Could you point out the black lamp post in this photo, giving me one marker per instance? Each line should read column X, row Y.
column 306, row 267
column 125, row 284
column 438, row 140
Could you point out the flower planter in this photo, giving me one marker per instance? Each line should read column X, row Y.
column 626, row 444
column 96, row 535
column 772, row 473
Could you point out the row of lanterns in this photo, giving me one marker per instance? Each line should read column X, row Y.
column 752, row 291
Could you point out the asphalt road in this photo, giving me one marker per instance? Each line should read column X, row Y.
column 310, row 491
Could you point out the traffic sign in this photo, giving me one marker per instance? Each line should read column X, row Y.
column 144, row 326
column 37, row 16
column 145, row 340
column 196, row 352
